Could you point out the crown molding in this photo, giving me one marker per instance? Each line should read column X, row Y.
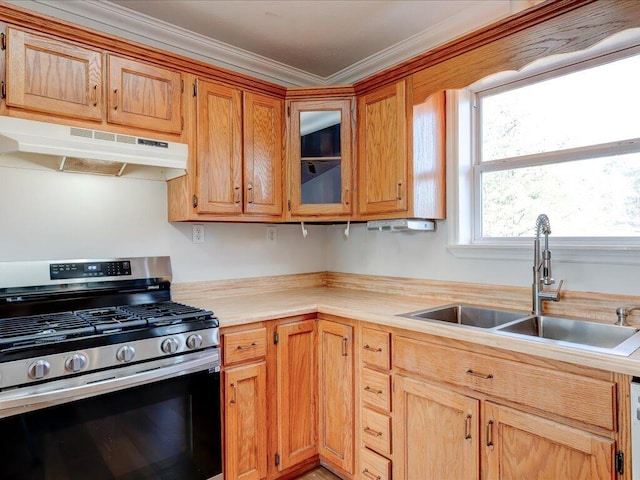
column 460, row 24
column 113, row 19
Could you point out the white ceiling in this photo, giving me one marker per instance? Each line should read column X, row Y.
column 291, row 42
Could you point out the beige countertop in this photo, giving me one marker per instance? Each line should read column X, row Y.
column 383, row 308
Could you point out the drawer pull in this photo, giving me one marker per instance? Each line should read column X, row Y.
column 370, row 431
column 467, row 427
column 372, row 390
column 490, row 433
column 371, row 349
column 371, row 474
column 253, row 345
column 486, row 376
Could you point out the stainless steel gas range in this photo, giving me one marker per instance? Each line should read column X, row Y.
column 102, row 376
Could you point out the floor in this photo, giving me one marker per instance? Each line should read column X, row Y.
column 318, row 474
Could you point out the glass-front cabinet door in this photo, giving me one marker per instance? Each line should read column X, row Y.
column 320, row 164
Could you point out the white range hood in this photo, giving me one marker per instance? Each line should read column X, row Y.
column 91, row 151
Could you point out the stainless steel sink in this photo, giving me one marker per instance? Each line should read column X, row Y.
column 467, row 315
column 599, row 337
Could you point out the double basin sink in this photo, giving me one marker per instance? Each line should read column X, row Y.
column 591, row 336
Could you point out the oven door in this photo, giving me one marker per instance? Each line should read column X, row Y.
column 160, row 429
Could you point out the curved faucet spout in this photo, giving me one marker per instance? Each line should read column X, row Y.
column 542, row 266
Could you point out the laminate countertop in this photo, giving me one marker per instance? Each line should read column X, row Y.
column 383, row 309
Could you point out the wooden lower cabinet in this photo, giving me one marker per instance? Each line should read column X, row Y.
column 245, row 432
column 435, row 433
column 520, row 445
column 296, row 381
column 336, row 383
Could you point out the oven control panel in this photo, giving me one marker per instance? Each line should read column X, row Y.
column 63, row 271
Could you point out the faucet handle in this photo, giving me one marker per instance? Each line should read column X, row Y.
column 622, row 313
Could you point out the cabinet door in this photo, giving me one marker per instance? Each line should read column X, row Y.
column 263, row 154
column 382, row 151
column 245, row 422
column 320, row 158
column 518, row 445
column 52, row 76
column 219, row 149
column 144, row 96
column 435, row 433
column 296, row 393
column 336, row 370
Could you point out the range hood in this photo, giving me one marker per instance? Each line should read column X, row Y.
column 402, row 225
column 91, row 151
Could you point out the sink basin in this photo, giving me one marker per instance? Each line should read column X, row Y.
column 600, row 337
column 467, row 315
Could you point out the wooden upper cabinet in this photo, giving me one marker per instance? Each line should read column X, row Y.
column 382, row 150
column 219, row 149
column 144, row 96
column 319, row 158
column 52, row 76
column 263, row 154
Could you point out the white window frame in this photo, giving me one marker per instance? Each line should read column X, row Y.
column 463, row 169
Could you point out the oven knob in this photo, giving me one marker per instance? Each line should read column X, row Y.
column 75, row 362
column 126, row 353
column 194, row 341
column 170, row 345
column 39, row 369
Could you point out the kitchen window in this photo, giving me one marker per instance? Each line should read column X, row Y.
column 562, row 137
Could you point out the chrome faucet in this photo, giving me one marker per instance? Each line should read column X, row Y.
column 622, row 313
column 542, row 267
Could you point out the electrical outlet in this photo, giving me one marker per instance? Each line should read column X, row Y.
column 197, row 233
column 272, row 235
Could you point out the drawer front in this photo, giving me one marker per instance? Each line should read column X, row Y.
column 245, row 346
column 376, row 431
column 376, row 348
column 569, row 395
column 376, row 389
column 374, row 466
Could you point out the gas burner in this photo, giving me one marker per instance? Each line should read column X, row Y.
column 168, row 313
column 39, row 329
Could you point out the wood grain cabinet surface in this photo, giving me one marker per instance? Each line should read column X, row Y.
column 336, row 383
column 52, row 76
column 319, row 159
column 245, row 431
column 145, row 96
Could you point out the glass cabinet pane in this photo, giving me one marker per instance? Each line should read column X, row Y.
column 320, row 157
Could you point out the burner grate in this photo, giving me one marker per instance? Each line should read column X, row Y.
column 41, row 328
column 111, row 319
column 165, row 313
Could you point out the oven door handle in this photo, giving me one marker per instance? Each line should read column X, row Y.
column 34, row 397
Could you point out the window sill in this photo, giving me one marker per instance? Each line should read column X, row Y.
column 602, row 254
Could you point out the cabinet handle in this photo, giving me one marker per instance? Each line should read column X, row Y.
column 371, row 475
column 486, row 376
column 344, row 346
column 241, row 347
column 375, row 433
column 346, row 197
column 399, row 191
column 95, row 95
column 490, row 433
column 371, row 349
column 372, row 390
column 236, row 194
column 467, row 427
column 249, row 193
column 233, row 393
column 115, row 99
